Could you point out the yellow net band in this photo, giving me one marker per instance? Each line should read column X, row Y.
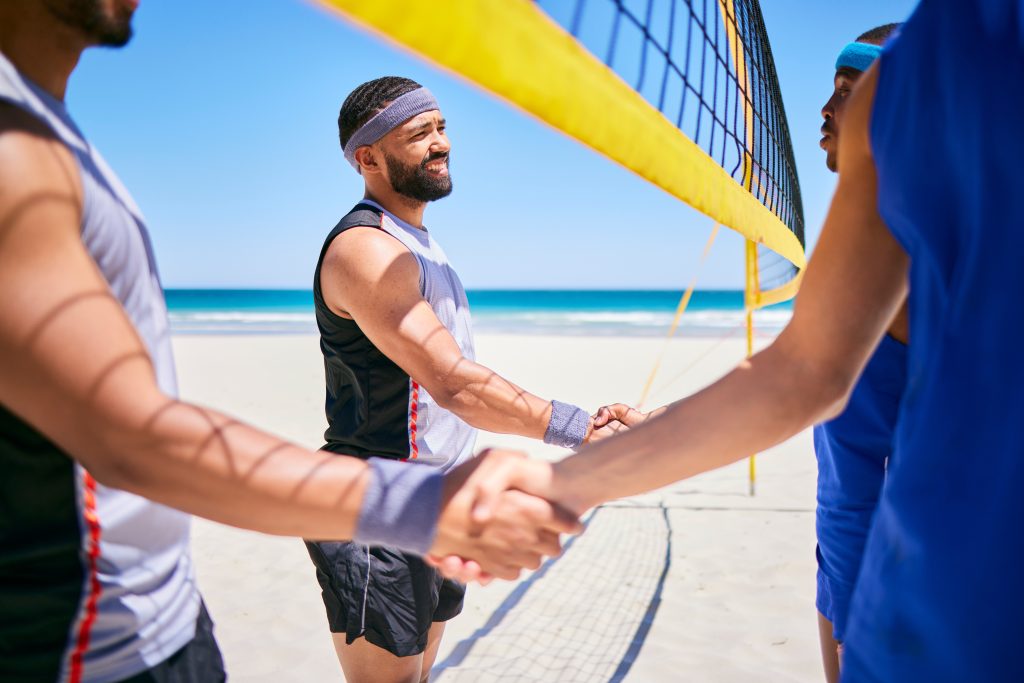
column 515, row 51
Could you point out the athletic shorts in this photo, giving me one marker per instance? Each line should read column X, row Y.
column 853, row 451
column 199, row 661
column 387, row 596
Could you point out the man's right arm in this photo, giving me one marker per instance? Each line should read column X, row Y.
column 73, row 367
column 371, row 277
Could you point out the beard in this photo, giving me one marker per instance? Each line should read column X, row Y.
column 110, row 27
column 416, row 182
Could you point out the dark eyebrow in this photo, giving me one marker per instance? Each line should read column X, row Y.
column 847, row 73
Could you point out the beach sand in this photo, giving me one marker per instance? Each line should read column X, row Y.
column 696, row 582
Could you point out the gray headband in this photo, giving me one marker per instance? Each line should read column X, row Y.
column 400, row 110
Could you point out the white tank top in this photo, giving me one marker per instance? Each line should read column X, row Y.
column 139, row 603
column 441, row 437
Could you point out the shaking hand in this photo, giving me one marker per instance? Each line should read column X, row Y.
column 492, row 523
column 612, row 419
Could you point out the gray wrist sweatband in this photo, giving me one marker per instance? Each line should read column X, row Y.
column 568, row 425
column 400, row 506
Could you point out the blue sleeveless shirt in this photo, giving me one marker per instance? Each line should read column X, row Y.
column 940, row 596
column 853, row 451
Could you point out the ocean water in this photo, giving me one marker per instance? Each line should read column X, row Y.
column 643, row 313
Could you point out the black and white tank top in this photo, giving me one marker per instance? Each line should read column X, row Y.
column 374, row 408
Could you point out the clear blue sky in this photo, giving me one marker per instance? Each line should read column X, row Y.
column 221, row 119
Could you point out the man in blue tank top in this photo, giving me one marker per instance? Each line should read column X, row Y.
column 853, row 448
column 929, row 174
column 939, row 598
column 96, row 580
column 401, row 373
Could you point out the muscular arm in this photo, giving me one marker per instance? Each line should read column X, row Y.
column 73, row 367
column 853, row 287
column 371, row 277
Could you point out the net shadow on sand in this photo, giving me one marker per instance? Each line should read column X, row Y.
column 581, row 617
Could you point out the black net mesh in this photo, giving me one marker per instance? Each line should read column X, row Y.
column 575, row 620
column 707, row 66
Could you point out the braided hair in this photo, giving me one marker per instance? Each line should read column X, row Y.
column 367, row 100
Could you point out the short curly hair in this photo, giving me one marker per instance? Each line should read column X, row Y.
column 878, row 35
column 363, row 103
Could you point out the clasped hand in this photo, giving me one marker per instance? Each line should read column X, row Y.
column 500, row 510
column 611, row 419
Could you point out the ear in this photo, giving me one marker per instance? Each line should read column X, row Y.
column 369, row 159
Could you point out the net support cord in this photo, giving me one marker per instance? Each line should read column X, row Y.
column 684, row 301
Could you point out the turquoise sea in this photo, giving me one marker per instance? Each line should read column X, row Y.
column 562, row 312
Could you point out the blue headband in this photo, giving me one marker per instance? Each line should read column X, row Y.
column 858, row 56
column 398, row 112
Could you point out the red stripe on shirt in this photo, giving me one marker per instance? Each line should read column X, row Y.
column 414, row 399
column 92, row 521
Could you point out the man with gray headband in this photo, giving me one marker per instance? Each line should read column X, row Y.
column 402, row 381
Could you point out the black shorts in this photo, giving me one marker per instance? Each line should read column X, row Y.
column 385, row 595
column 199, row 661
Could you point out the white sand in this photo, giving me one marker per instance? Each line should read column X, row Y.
column 737, row 601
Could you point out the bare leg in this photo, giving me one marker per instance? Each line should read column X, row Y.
column 363, row 662
column 430, row 654
column 829, row 649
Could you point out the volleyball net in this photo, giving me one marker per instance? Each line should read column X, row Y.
column 683, row 93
